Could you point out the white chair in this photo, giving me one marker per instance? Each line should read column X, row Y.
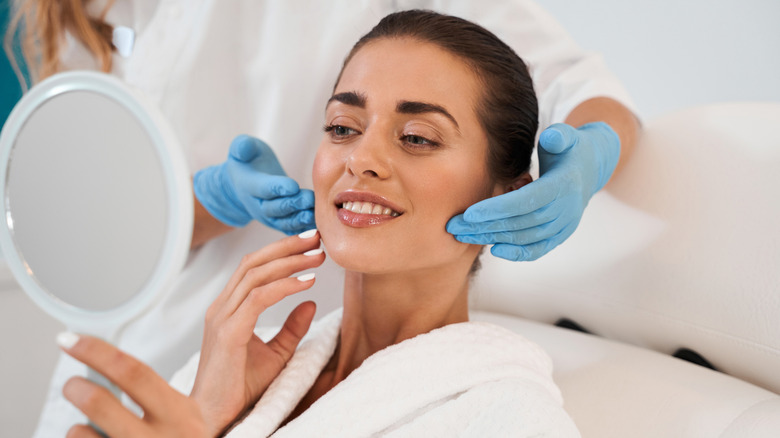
column 682, row 250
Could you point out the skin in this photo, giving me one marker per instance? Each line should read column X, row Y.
column 236, row 366
column 617, row 116
column 205, row 226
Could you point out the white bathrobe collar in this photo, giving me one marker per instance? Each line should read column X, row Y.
column 392, row 384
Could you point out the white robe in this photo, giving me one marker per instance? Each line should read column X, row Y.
column 468, row 379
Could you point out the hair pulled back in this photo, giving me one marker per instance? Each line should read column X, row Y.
column 507, row 111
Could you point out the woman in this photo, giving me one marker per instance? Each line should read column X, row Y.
column 420, row 125
column 218, row 68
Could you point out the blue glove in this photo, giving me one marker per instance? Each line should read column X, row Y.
column 251, row 184
column 529, row 222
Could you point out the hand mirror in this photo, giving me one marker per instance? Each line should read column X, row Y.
column 97, row 201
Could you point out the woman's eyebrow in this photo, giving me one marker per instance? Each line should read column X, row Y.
column 407, row 107
column 349, row 98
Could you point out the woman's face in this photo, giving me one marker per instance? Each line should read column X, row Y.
column 403, row 152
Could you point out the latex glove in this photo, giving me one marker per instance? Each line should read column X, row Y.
column 251, row 184
column 529, row 222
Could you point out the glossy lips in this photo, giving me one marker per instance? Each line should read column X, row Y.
column 364, row 209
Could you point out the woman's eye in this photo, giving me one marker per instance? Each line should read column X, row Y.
column 418, row 141
column 340, row 131
column 343, row 130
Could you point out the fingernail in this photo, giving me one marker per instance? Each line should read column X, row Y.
column 308, row 234
column 313, row 252
column 306, row 277
column 67, row 340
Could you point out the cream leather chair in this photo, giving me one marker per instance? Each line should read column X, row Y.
column 682, row 250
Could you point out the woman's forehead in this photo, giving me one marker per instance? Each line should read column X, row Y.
column 406, row 69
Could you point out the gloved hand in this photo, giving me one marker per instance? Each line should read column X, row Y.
column 251, row 184
column 529, row 222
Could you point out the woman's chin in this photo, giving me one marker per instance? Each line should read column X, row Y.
column 363, row 261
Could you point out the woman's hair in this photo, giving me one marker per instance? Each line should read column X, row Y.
column 507, row 110
column 42, row 26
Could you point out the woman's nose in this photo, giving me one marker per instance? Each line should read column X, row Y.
column 369, row 157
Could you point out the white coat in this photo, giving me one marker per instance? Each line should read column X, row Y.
column 218, row 68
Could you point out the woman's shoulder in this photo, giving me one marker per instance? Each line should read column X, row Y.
column 504, row 407
column 497, row 340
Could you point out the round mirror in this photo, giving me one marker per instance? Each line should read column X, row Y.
column 97, row 201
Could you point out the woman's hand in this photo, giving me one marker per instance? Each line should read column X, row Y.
column 236, row 366
column 167, row 413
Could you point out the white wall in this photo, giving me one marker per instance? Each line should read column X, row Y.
column 670, row 54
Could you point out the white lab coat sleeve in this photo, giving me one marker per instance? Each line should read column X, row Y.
column 564, row 74
column 184, row 379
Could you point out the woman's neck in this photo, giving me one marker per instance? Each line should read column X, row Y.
column 383, row 310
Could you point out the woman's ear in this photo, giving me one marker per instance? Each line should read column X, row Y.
column 519, row 182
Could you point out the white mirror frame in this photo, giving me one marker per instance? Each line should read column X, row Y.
column 177, row 185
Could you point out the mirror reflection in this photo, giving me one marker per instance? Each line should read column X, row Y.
column 75, row 230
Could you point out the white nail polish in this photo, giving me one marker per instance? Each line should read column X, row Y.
column 306, row 277
column 67, row 340
column 313, row 252
column 308, row 234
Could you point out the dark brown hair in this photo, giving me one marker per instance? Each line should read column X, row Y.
column 508, row 109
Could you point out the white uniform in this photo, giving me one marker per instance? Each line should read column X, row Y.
column 218, row 68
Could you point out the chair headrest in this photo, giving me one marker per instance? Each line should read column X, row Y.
column 682, row 249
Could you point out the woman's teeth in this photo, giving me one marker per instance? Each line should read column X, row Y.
column 368, row 208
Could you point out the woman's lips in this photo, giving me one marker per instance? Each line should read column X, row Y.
column 363, row 209
column 361, row 220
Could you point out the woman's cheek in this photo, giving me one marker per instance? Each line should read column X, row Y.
column 325, row 171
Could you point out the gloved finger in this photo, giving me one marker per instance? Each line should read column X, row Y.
column 255, row 152
column 516, row 237
column 522, row 253
column 532, row 251
column 459, row 226
column 245, row 148
column 265, row 186
column 524, row 200
column 294, row 224
column 558, row 138
column 285, row 206
column 514, row 253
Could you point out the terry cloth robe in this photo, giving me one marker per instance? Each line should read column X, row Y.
column 470, row 379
